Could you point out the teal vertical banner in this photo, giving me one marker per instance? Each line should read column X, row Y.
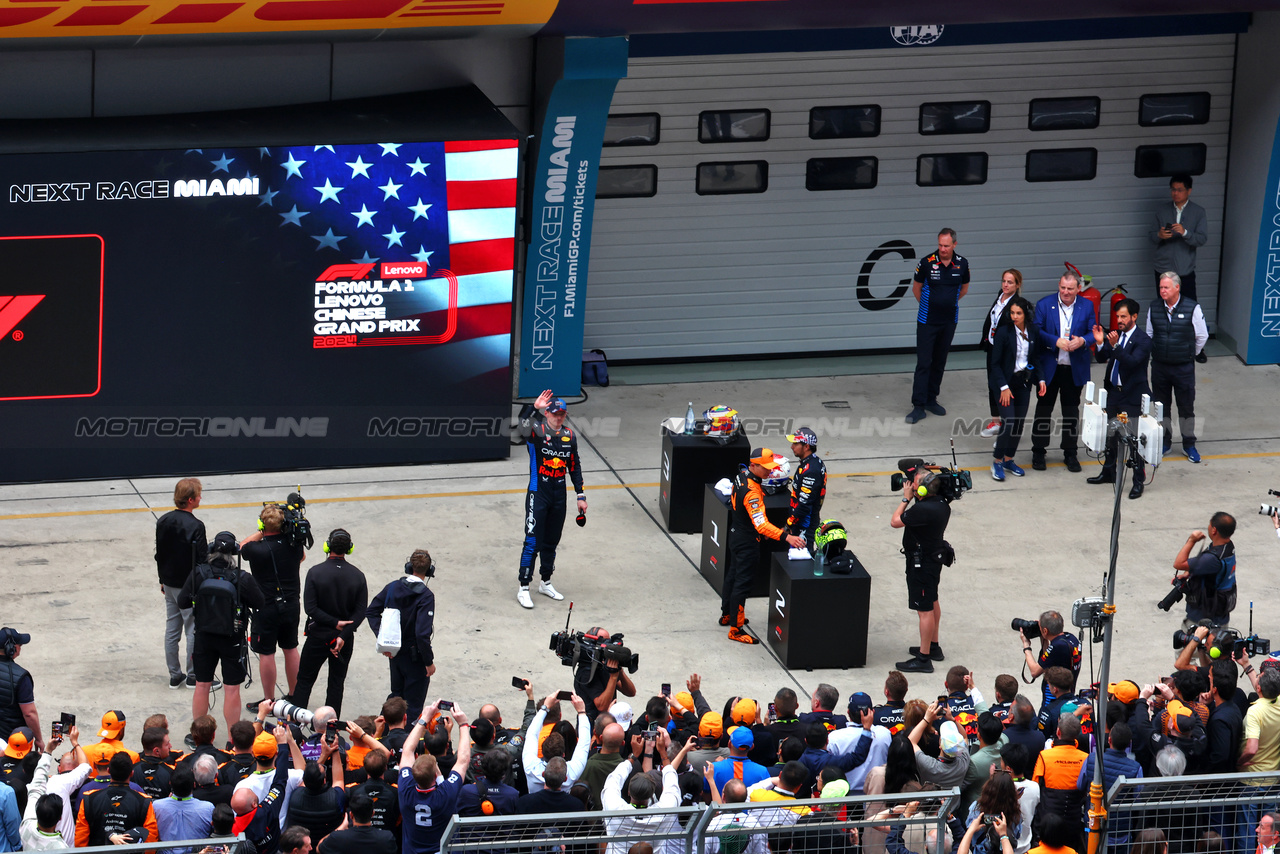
column 1264, row 325
column 563, row 189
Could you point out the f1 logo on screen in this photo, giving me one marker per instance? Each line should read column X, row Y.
column 51, row 316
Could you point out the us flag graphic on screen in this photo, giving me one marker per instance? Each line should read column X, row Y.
column 404, row 243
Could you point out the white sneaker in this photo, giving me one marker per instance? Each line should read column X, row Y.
column 992, row 429
column 524, row 598
column 546, row 589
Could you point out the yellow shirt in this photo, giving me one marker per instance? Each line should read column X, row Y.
column 1263, row 723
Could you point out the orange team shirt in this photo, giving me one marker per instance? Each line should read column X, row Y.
column 1045, row 849
column 753, row 503
column 105, row 749
column 1059, row 766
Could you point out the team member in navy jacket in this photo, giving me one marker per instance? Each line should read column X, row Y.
column 414, row 665
column 1012, row 375
column 1126, row 352
column 1065, row 323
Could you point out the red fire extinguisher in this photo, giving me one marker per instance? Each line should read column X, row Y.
column 1118, row 293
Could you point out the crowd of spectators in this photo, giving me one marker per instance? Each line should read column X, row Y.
column 386, row 784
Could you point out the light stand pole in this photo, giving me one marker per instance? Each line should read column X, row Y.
column 1126, row 447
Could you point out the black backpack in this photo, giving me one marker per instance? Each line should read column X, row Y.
column 217, row 606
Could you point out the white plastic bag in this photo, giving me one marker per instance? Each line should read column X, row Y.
column 389, row 632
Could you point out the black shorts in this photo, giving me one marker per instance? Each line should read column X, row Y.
column 273, row 624
column 212, row 650
column 922, row 585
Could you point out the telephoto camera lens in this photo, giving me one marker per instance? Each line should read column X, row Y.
column 284, row 710
column 1029, row 628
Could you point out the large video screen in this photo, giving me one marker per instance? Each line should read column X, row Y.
column 275, row 307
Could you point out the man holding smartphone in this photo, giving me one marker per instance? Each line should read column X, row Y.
column 534, row 764
column 426, row 802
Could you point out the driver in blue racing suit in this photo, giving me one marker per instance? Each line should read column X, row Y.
column 808, row 486
column 553, row 453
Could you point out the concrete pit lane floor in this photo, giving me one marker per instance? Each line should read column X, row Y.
column 79, row 575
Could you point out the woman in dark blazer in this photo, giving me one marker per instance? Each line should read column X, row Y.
column 1012, row 375
column 1010, row 287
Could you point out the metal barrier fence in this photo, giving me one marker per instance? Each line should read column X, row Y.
column 219, row 845
column 828, row 825
column 1208, row 813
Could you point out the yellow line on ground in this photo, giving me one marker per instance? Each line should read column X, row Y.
column 310, row 501
column 469, row 493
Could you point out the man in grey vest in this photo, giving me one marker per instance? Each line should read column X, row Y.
column 1180, row 228
column 1178, row 332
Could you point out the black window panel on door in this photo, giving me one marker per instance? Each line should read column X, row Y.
column 632, row 129
column 951, row 169
column 844, row 122
column 1064, row 113
column 733, row 125
column 1163, row 161
column 945, row 117
column 1173, row 108
column 627, row 182
column 728, row 178
column 1062, row 164
column 841, row 173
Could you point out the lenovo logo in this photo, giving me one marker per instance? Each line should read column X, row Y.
column 14, row 309
column 401, row 270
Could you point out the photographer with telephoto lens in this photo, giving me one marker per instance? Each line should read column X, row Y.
column 1058, row 648
column 1207, row 580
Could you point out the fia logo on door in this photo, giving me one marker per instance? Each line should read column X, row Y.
column 920, row 34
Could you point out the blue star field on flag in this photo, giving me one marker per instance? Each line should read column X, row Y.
column 345, row 203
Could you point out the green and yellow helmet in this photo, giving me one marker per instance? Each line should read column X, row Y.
column 830, row 538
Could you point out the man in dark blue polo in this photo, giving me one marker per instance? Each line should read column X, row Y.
column 941, row 280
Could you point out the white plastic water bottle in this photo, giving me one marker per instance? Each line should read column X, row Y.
column 689, row 418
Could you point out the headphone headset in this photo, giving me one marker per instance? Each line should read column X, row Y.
column 340, row 534
column 431, row 566
column 926, row 484
column 10, row 643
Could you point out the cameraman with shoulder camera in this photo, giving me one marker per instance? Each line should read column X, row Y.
column 275, row 562
column 924, row 523
column 1058, row 648
column 1208, row 580
column 219, row 591
column 599, row 683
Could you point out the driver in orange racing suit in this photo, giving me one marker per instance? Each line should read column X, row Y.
column 747, row 523
column 553, row 453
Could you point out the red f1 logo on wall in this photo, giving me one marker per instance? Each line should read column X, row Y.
column 51, row 340
column 13, row 310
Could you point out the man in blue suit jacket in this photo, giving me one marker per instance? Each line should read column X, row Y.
column 1064, row 323
column 1126, row 352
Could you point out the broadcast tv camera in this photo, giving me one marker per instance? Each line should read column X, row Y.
column 1227, row 641
column 296, row 529
column 949, row 483
column 595, row 646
